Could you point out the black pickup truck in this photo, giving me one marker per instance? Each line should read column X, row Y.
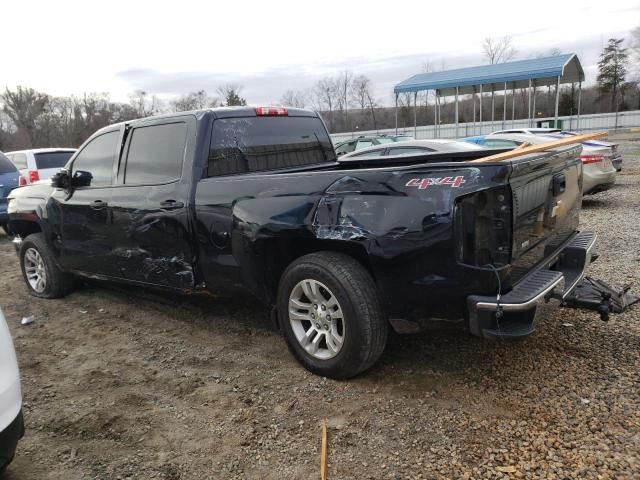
column 255, row 198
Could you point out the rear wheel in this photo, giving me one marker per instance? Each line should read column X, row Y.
column 43, row 277
column 6, row 229
column 330, row 315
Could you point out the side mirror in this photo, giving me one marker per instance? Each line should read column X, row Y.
column 81, row 178
column 61, row 180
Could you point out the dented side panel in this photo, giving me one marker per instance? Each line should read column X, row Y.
column 405, row 231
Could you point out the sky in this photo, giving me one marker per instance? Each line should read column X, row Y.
column 168, row 49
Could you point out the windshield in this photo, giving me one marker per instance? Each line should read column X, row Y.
column 250, row 144
column 385, row 140
column 46, row 160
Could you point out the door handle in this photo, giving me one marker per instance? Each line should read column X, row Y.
column 98, row 204
column 171, row 205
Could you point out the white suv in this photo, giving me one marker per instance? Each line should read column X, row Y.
column 39, row 163
column 11, row 423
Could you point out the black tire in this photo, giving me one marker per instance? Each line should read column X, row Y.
column 6, row 229
column 365, row 326
column 58, row 283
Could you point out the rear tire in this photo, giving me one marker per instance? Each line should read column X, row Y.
column 41, row 274
column 5, row 227
column 331, row 316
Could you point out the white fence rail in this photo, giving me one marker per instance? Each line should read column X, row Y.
column 600, row 121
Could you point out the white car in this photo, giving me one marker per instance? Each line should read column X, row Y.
column 39, row 163
column 411, row 148
column 612, row 153
column 598, row 171
column 11, row 422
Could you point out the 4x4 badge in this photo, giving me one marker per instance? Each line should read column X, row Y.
column 423, row 183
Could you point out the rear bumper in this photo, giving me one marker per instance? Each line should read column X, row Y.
column 595, row 182
column 554, row 280
column 9, row 438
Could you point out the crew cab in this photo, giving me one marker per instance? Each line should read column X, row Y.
column 256, row 199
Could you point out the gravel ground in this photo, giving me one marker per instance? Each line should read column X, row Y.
column 121, row 384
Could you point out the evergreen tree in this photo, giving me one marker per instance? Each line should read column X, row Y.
column 612, row 69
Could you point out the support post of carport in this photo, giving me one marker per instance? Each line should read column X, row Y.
column 579, row 99
column 493, row 107
column 435, row 114
column 533, row 107
column 415, row 114
column 513, row 105
column 396, row 113
column 555, row 125
column 504, row 106
column 529, row 108
column 480, row 109
column 474, row 110
column 456, row 112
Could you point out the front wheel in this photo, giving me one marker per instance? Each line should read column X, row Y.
column 330, row 314
column 41, row 274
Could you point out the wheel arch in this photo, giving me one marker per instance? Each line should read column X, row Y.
column 277, row 254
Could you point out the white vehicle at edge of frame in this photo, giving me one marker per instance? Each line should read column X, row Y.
column 11, row 422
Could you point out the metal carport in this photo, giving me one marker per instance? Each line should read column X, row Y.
column 532, row 73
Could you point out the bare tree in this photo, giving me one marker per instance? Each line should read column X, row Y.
column 25, row 107
column 145, row 105
column 325, row 94
column 194, row 101
column 294, row 98
column 362, row 96
column 344, row 88
column 498, row 50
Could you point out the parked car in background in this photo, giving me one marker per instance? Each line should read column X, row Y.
column 599, row 174
column 11, row 422
column 342, row 148
column 8, row 181
column 39, row 163
column 412, row 147
column 615, row 155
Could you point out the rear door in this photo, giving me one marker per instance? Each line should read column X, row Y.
column 152, row 233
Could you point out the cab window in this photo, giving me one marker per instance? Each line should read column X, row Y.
column 97, row 158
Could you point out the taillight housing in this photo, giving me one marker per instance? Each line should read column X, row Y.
column 591, row 158
column 483, row 228
column 22, row 181
column 271, row 112
column 34, row 176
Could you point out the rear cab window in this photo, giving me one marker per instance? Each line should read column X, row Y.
column 46, row 160
column 255, row 144
column 155, row 154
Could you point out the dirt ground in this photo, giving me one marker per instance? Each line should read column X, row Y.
column 119, row 383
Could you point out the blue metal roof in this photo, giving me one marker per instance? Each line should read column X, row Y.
column 544, row 71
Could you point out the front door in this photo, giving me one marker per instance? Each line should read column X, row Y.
column 81, row 217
